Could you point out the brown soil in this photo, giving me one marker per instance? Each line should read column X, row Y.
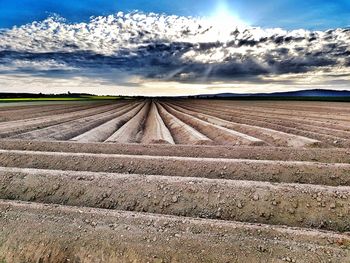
column 156, row 131
column 175, row 181
column 102, row 132
column 52, row 233
column 331, row 155
column 214, row 168
column 255, row 202
column 333, row 135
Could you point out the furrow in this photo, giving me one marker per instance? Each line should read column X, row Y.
column 274, row 137
column 217, row 133
column 131, row 131
column 70, row 129
column 181, row 132
column 237, row 169
column 12, row 128
column 288, row 113
column 256, row 202
column 44, row 110
column 29, row 232
column 327, row 140
column 310, row 106
column 104, row 131
column 310, row 123
column 155, row 130
column 325, row 155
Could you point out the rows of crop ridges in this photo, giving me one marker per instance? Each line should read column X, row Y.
column 182, row 122
column 222, row 202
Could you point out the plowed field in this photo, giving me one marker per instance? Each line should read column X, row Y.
column 175, row 181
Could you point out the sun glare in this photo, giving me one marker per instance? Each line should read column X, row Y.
column 224, row 17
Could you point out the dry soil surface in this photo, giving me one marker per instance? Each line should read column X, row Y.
column 175, row 181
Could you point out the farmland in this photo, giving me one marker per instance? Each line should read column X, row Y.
column 159, row 180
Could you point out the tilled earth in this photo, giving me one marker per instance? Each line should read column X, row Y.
column 175, row 181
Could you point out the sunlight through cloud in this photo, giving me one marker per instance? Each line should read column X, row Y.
column 225, row 17
column 117, row 50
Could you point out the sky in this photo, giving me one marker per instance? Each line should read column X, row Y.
column 143, row 47
column 288, row 14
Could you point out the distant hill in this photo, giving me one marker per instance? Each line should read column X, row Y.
column 315, row 94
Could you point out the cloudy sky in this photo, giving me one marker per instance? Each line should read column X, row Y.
column 142, row 47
